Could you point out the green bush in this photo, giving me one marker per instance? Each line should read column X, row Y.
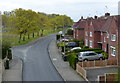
column 105, row 55
column 72, row 59
column 6, row 51
column 69, row 32
column 97, row 50
column 58, row 36
column 85, row 47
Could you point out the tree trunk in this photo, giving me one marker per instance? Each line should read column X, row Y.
column 33, row 34
column 28, row 36
column 20, row 37
column 42, row 32
column 38, row 33
column 24, row 38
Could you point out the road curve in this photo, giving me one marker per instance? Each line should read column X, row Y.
column 37, row 63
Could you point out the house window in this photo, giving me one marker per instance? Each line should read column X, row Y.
column 113, row 51
column 113, row 37
column 86, row 33
column 86, row 42
column 101, row 33
column 90, row 34
column 104, row 39
column 90, row 44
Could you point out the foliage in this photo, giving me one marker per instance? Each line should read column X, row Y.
column 6, row 51
column 69, row 32
column 85, row 47
column 72, row 58
column 26, row 22
column 97, row 50
column 105, row 55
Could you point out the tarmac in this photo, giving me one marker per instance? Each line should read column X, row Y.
column 63, row 68
column 14, row 73
column 67, row 73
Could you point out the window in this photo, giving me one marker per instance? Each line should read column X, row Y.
column 101, row 33
column 86, row 42
column 104, row 39
column 92, row 54
column 113, row 37
column 90, row 43
column 90, row 34
column 113, row 51
column 86, row 33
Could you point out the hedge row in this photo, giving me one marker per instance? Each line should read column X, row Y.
column 72, row 59
column 6, row 51
column 97, row 50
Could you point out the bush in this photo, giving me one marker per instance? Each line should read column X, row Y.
column 85, row 47
column 72, row 58
column 97, row 50
column 58, row 36
column 69, row 32
column 6, row 51
column 105, row 55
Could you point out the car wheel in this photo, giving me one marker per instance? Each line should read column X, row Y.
column 101, row 58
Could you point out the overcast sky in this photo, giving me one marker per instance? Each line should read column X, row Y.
column 73, row 8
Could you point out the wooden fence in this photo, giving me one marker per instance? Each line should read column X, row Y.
column 99, row 63
column 107, row 78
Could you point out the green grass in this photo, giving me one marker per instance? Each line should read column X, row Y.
column 13, row 38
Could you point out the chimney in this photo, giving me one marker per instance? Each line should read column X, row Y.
column 81, row 17
column 95, row 17
column 107, row 14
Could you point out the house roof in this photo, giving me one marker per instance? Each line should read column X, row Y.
column 80, row 24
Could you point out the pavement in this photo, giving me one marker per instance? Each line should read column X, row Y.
column 67, row 73
column 15, row 71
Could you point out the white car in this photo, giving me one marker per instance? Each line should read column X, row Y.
column 75, row 48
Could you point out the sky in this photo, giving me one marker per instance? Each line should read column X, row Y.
column 73, row 8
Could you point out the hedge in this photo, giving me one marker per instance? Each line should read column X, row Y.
column 97, row 50
column 6, row 51
column 72, row 59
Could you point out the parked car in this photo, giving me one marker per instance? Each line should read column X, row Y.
column 71, row 44
column 75, row 48
column 89, row 55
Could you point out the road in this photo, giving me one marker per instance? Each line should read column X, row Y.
column 37, row 63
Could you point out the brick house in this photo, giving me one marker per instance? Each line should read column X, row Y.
column 79, row 29
column 102, row 32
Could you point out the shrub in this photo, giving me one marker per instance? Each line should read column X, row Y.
column 72, row 58
column 85, row 47
column 97, row 50
column 105, row 55
column 58, row 36
column 69, row 32
column 6, row 51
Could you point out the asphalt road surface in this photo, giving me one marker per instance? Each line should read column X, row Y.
column 37, row 63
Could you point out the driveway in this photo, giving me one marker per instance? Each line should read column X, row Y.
column 37, row 65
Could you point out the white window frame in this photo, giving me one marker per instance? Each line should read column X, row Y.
column 101, row 33
column 86, row 33
column 113, row 51
column 91, row 43
column 86, row 42
column 90, row 34
column 113, row 37
column 104, row 39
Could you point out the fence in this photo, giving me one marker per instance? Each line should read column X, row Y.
column 81, row 70
column 107, row 78
column 99, row 63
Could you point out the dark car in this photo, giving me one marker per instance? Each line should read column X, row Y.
column 71, row 44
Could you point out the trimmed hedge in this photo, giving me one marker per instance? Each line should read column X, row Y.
column 97, row 50
column 6, row 51
column 105, row 55
column 72, row 59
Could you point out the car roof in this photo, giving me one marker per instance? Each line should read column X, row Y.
column 88, row 52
